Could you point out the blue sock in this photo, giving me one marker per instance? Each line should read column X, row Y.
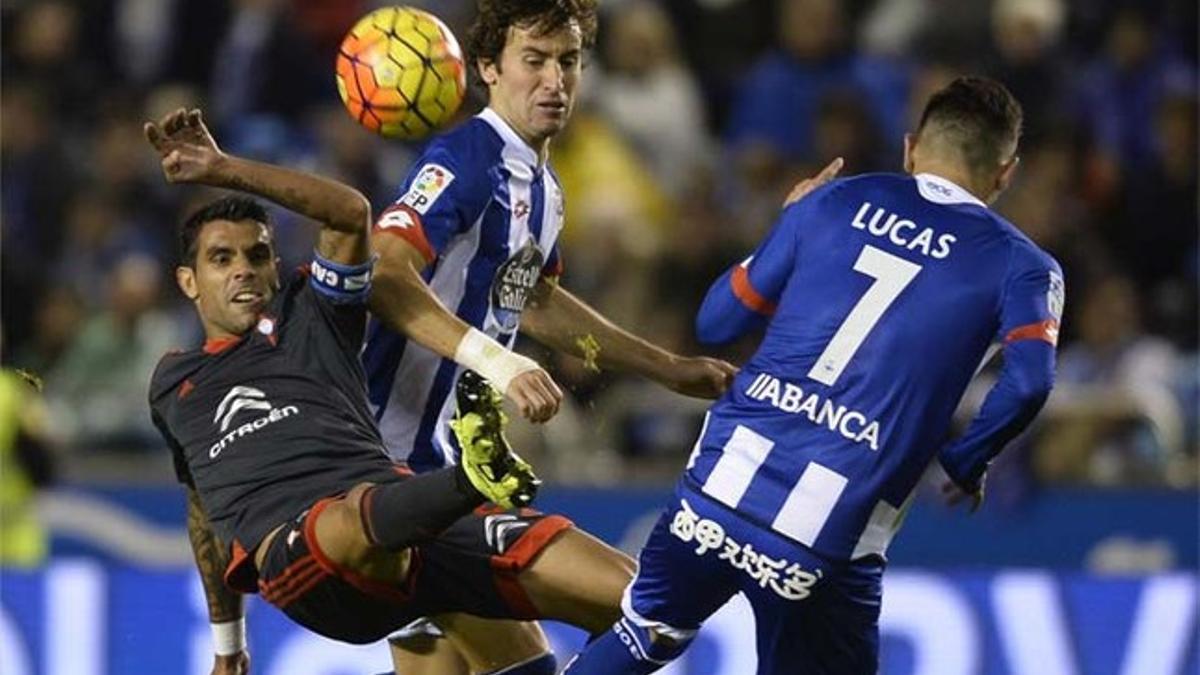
column 625, row 650
column 545, row 664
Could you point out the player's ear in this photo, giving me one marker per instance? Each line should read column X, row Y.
column 489, row 71
column 1007, row 170
column 186, row 278
column 910, row 143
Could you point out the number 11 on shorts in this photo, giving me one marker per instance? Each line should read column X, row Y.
column 892, row 275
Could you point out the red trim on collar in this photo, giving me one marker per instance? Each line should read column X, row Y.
column 218, row 345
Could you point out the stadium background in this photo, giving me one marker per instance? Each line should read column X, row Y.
column 694, row 118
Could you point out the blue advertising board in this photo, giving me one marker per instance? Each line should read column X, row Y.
column 1060, row 529
column 1010, row 591
column 83, row 617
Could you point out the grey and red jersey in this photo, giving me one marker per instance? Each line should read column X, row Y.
column 266, row 424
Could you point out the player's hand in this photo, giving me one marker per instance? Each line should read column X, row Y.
column 232, row 664
column 189, row 153
column 536, row 395
column 955, row 495
column 700, row 376
column 801, row 189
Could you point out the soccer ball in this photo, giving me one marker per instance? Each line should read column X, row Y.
column 400, row 72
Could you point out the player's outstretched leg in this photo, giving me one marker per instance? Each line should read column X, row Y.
column 498, row 473
column 578, row 579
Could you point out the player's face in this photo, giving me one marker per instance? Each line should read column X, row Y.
column 533, row 86
column 234, row 277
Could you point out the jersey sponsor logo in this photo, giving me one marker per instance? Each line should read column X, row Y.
column 514, row 283
column 429, row 184
column 902, row 232
column 1056, row 295
column 939, row 189
column 823, row 412
column 242, row 398
column 787, row 579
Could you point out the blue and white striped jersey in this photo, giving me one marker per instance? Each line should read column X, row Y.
column 884, row 294
column 486, row 216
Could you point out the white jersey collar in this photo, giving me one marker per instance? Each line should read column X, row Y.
column 512, row 139
column 941, row 191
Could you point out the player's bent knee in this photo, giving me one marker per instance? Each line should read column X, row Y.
column 339, row 530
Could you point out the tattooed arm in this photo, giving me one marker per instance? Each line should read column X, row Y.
column 224, row 604
column 190, row 155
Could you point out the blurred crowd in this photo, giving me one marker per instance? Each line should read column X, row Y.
column 695, row 118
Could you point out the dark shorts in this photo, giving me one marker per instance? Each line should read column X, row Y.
column 471, row 567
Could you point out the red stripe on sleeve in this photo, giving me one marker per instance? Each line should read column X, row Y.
column 1046, row 330
column 405, row 223
column 743, row 291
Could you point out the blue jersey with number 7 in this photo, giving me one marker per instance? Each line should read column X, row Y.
column 881, row 296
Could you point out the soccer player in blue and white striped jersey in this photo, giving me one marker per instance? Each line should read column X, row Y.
column 468, row 256
column 469, row 253
column 881, row 295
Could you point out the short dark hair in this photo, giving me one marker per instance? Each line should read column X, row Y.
column 977, row 115
column 487, row 35
column 232, row 208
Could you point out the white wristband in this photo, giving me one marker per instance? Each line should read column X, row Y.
column 229, row 637
column 490, row 359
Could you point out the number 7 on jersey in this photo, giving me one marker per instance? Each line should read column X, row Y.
column 892, row 275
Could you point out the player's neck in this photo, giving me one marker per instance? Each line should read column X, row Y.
column 540, row 145
column 216, row 335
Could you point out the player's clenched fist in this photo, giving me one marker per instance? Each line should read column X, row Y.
column 701, row 376
column 189, row 153
column 954, row 494
column 535, row 395
column 519, row 377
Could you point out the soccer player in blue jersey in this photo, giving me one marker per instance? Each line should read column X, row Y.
column 468, row 257
column 881, row 295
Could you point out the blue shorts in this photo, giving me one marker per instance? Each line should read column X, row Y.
column 813, row 616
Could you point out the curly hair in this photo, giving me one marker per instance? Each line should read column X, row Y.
column 487, row 35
